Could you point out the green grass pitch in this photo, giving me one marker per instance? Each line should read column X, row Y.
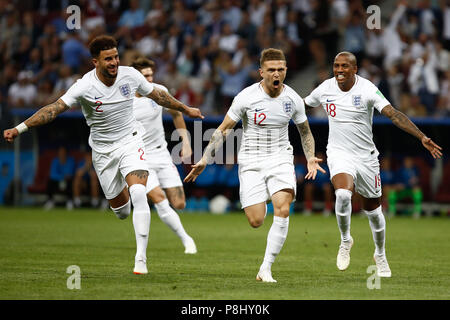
column 37, row 247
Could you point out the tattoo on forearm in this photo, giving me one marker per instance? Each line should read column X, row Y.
column 307, row 138
column 216, row 141
column 46, row 114
column 400, row 120
column 164, row 99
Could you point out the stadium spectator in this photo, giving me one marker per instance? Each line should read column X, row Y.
column 354, row 34
column 86, row 181
column 22, row 94
column 60, row 179
column 133, row 17
column 185, row 93
column 231, row 14
column 407, row 179
column 74, row 52
column 233, row 80
column 65, row 80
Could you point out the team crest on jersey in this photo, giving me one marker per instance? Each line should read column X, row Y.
column 287, row 106
column 356, row 100
column 125, row 90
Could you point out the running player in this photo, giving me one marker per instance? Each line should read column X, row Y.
column 106, row 96
column 163, row 178
column 350, row 100
column 266, row 166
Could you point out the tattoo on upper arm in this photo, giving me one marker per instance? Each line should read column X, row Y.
column 307, row 138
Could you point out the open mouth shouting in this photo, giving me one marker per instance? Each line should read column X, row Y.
column 276, row 84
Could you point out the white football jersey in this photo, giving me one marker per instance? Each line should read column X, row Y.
column 149, row 114
column 265, row 121
column 109, row 110
column 350, row 115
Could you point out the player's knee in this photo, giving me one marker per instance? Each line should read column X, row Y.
column 343, row 200
column 256, row 223
column 178, row 204
column 282, row 211
column 124, row 211
column 156, row 195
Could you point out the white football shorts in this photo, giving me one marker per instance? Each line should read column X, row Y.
column 161, row 170
column 365, row 172
column 259, row 180
column 112, row 167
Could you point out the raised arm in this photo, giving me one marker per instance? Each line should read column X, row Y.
column 308, row 145
column 400, row 120
column 218, row 137
column 165, row 99
column 180, row 125
column 43, row 116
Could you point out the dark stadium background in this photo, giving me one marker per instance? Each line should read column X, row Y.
column 322, row 30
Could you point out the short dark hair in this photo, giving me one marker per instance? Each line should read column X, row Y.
column 100, row 43
column 143, row 63
column 271, row 54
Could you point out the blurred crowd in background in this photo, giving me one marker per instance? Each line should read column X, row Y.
column 206, row 51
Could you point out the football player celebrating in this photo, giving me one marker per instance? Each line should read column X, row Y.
column 349, row 101
column 266, row 168
column 106, row 96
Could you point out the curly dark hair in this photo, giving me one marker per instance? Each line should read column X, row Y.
column 99, row 43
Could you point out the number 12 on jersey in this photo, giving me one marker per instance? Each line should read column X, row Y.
column 259, row 118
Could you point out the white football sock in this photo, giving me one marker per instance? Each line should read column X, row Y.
column 377, row 223
column 141, row 219
column 124, row 211
column 275, row 240
column 171, row 219
column 343, row 208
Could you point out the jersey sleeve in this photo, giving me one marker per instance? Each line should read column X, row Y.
column 237, row 110
column 144, row 87
column 160, row 86
column 75, row 92
column 376, row 98
column 299, row 115
column 313, row 100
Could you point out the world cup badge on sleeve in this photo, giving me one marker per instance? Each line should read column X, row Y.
column 125, row 90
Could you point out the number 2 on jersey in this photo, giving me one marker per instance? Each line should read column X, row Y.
column 331, row 109
column 141, row 151
column 98, row 104
column 258, row 121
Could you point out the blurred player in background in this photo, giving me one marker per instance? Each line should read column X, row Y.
column 84, row 179
column 320, row 186
column 407, row 179
column 163, row 179
column 266, row 168
column 349, row 101
column 106, row 96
